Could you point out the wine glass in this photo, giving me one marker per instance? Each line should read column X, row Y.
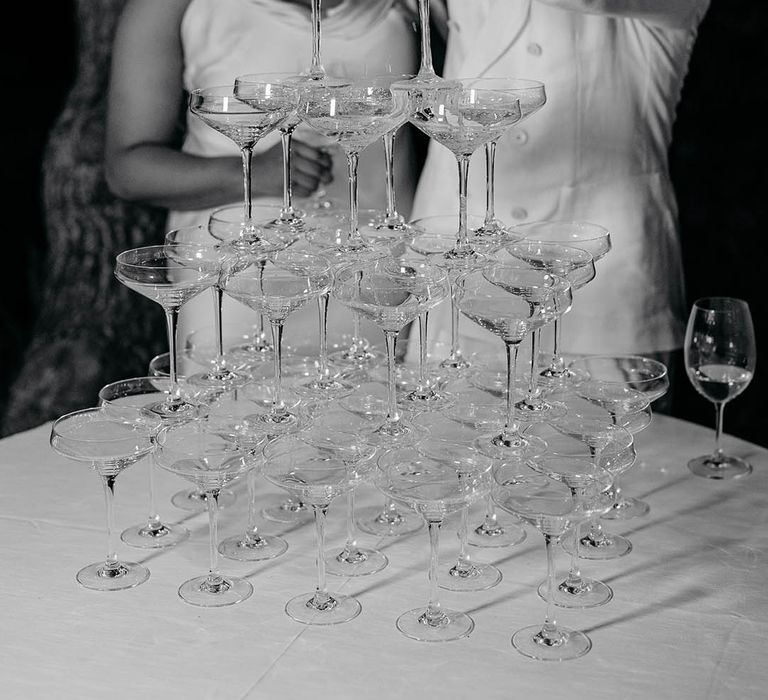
column 510, row 301
column 110, row 445
column 126, row 400
column 461, row 115
column 170, row 276
column 211, row 462
column 277, row 290
column 245, row 123
column 578, row 268
column 434, row 486
column 533, row 97
column 315, row 475
column 221, row 376
column 551, row 507
column 391, row 295
column 622, row 384
column 595, row 240
column 720, row 358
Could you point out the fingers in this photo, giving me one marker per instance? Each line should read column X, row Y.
column 310, row 168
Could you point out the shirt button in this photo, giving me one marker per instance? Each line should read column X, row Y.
column 519, row 213
column 534, row 49
column 520, row 136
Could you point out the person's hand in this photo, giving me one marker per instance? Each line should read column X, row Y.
column 310, row 168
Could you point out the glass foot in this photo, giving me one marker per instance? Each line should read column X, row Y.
column 510, row 446
column 225, row 380
column 332, row 610
column 476, row 577
column 502, row 533
column 565, row 644
column 626, row 508
column 121, row 575
column 590, row 593
column 215, row 592
column 177, row 410
column 724, row 467
column 607, row 547
column 539, row 411
column 242, row 548
column 357, row 562
column 194, row 500
column 325, row 389
column 155, row 536
column 387, row 522
column 288, row 511
column 450, row 625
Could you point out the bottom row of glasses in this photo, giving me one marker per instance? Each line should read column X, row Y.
column 434, row 477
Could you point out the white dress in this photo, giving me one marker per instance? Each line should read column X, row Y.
column 597, row 151
column 222, row 39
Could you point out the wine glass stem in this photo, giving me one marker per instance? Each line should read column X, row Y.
column 510, row 424
column 321, row 597
column 354, row 233
column 549, row 630
column 351, row 543
column 247, row 156
column 287, row 210
column 423, row 323
column 426, row 68
column 389, row 157
column 390, row 338
column 462, row 237
column 218, row 300
column 262, row 265
column 153, row 521
column 491, row 520
column 316, row 70
column 574, row 575
column 322, row 310
column 455, row 315
column 212, row 501
column 108, row 482
column 464, row 562
column 172, row 321
column 535, row 337
column 490, row 168
column 433, row 613
column 718, row 453
column 558, row 364
column 277, row 341
column 252, row 533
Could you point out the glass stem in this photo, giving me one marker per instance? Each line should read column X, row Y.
column 351, row 544
column 316, row 71
column 389, row 157
column 390, row 338
column 462, row 238
column 510, row 424
column 426, row 68
column 433, row 615
column 260, row 327
column 558, row 363
column 354, row 233
column 153, row 521
column 490, row 185
column 423, row 323
column 277, row 341
column 110, row 563
column 286, row 213
column 549, row 630
column 455, row 354
column 252, row 536
column 718, row 453
column 491, row 519
column 322, row 311
column 532, row 379
column 574, row 574
column 218, row 301
column 247, row 156
column 321, row 599
column 212, row 501
column 172, row 321
column 463, row 563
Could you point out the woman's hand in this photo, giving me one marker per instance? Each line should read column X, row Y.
column 310, row 167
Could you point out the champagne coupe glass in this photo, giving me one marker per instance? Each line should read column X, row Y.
column 211, row 462
column 434, row 486
column 622, row 384
column 551, row 508
column 391, row 295
column 110, row 445
column 245, row 123
column 315, row 475
column 221, row 376
column 170, row 276
column 594, row 239
column 509, row 301
column 532, row 97
column 573, row 264
column 461, row 115
column 126, row 400
column 434, row 239
column 277, row 291
column 720, row 359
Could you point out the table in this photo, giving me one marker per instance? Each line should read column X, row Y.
column 689, row 618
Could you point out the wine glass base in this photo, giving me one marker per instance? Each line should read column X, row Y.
column 570, row 644
column 610, row 547
column 383, row 522
column 230, row 591
column 356, row 358
column 590, row 594
column 241, row 549
column 326, row 389
column 453, row 625
column 395, row 434
column 504, row 533
column 288, row 512
column 539, row 410
column 127, row 574
column 218, row 381
column 340, row 608
column 158, row 536
column 627, row 508
column 724, row 467
column 428, row 399
column 358, row 562
column 478, row 577
column 175, row 411
column 510, row 446
column 194, row 501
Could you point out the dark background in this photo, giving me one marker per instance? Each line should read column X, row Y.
column 717, row 160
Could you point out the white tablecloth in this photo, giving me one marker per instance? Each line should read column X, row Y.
column 689, row 617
